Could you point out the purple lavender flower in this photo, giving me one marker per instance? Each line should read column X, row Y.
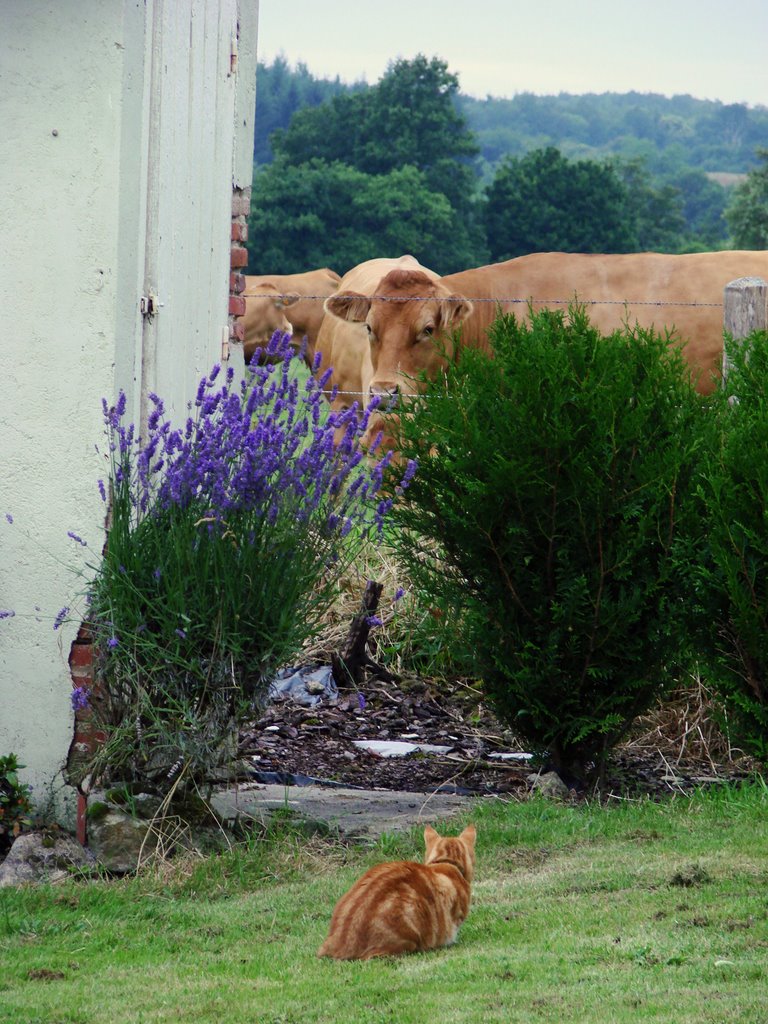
column 9, row 517
column 79, row 540
column 102, row 490
column 398, row 595
column 7, row 614
column 374, row 620
column 60, row 617
column 361, row 701
column 255, row 467
column 180, row 634
column 80, row 698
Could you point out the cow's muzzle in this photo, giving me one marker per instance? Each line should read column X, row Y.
column 388, row 394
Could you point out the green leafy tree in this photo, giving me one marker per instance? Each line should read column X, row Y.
column 653, row 213
column 281, row 91
column 747, row 214
column 552, row 500
column 703, row 209
column 407, row 120
column 329, row 214
column 543, row 202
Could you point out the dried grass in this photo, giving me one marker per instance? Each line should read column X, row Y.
column 378, row 564
column 684, row 729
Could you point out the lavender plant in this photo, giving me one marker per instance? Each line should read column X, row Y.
column 227, row 536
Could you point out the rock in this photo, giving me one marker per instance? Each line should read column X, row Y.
column 550, row 785
column 147, row 805
column 353, row 813
column 116, row 839
column 43, row 857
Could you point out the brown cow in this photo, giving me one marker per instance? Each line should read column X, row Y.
column 343, row 344
column 682, row 293
column 285, row 302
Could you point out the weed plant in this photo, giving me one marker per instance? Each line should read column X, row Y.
column 226, row 537
column 555, row 480
column 15, row 805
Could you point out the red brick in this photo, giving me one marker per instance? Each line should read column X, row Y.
column 237, row 330
column 238, row 257
column 84, row 634
column 236, row 283
column 82, row 832
column 241, row 203
column 239, row 231
column 236, row 305
column 81, row 656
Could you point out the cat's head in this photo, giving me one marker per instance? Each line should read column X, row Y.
column 457, row 850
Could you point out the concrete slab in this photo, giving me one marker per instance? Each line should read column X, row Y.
column 355, row 813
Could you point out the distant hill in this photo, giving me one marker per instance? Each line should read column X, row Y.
column 670, row 134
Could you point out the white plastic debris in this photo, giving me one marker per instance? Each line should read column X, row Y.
column 307, row 686
column 511, row 757
column 397, row 748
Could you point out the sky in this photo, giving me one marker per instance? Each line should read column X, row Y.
column 710, row 49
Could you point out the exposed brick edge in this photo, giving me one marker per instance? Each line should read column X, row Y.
column 238, row 261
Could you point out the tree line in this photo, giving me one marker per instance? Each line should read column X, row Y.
column 348, row 173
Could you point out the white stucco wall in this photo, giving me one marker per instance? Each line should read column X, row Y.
column 60, row 107
column 80, row 113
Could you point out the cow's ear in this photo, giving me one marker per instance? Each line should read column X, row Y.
column 454, row 310
column 287, row 300
column 349, row 306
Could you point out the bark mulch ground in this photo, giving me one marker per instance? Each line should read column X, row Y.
column 673, row 750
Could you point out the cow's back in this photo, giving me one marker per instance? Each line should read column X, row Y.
column 683, row 294
column 312, row 287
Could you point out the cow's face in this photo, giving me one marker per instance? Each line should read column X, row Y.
column 410, row 322
column 264, row 315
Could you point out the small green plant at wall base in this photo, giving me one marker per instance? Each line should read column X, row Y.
column 734, row 503
column 15, row 806
column 549, row 520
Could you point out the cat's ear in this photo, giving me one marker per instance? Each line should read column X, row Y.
column 430, row 837
column 469, row 835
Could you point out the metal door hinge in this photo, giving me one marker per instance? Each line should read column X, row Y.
column 149, row 305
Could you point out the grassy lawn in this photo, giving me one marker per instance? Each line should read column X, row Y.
column 630, row 912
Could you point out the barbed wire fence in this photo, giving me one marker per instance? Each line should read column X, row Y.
column 501, row 301
column 744, row 305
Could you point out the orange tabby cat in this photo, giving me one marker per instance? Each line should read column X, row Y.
column 404, row 907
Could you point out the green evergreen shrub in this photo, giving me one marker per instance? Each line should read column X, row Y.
column 734, row 499
column 551, row 521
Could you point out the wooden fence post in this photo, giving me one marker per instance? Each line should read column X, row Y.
column 745, row 311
